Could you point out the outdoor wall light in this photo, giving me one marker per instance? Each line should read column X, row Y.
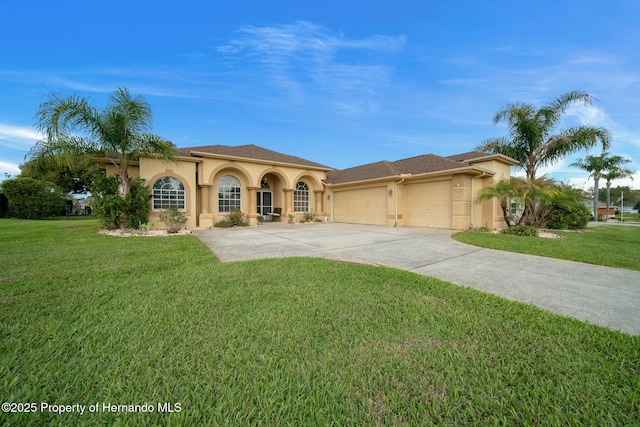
column 328, row 196
column 390, row 192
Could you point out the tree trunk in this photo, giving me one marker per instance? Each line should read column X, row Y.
column 124, row 185
column 505, row 211
column 595, row 200
column 608, row 200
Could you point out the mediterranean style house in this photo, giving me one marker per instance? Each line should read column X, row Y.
column 423, row 191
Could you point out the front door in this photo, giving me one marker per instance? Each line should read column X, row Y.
column 264, row 202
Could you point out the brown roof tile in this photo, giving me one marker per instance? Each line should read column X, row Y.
column 413, row 165
column 469, row 155
column 362, row 173
column 250, row 151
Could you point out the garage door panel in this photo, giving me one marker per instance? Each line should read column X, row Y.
column 429, row 204
column 362, row 206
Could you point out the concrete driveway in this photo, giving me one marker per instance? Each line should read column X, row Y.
column 604, row 296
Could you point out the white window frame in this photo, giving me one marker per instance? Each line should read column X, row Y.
column 301, row 197
column 168, row 192
column 229, row 194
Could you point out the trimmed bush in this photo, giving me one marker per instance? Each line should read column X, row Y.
column 521, row 230
column 574, row 217
column 33, row 199
column 235, row 218
column 174, row 219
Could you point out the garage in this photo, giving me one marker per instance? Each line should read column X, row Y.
column 428, row 204
column 362, row 206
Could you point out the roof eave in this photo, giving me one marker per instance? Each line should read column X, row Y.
column 470, row 170
column 251, row 160
column 500, row 157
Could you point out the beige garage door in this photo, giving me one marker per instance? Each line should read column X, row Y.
column 429, row 204
column 365, row 206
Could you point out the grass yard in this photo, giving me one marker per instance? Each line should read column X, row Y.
column 87, row 319
column 611, row 245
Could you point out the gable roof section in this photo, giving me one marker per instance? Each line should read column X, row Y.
column 479, row 156
column 418, row 165
column 250, row 152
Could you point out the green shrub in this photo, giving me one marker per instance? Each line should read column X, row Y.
column 33, row 199
column 484, row 230
column 235, row 218
column 573, row 217
column 115, row 211
column 174, row 219
column 521, row 230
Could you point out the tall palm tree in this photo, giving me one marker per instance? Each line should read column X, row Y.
column 120, row 132
column 598, row 167
column 532, row 141
column 616, row 170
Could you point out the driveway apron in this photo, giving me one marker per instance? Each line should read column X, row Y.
column 604, row 296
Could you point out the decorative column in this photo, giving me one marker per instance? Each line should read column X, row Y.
column 319, row 209
column 205, row 219
column 288, row 202
column 252, row 214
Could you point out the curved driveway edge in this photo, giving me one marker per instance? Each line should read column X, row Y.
column 603, row 296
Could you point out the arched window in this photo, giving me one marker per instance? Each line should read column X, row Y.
column 168, row 192
column 301, row 197
column 229, row 193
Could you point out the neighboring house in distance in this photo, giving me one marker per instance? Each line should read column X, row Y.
column 427, row 191
column 602, row 210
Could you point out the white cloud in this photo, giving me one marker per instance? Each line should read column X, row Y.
column 10, row 168
column 302, row 60
column 591, row 115
column 17, row 137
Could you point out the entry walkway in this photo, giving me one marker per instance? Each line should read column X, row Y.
column 604, row 296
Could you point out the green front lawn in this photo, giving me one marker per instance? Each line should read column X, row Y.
column 90, row 319
column 610, row 245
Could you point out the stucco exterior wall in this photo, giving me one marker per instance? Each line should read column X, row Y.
column 281, row 180
column 154, row 169
column 444, row 199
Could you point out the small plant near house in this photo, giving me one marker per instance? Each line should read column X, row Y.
column 484, row 230
column 260, row 219
column 308, row 217
column 291, row 218
column 174, row 219
column 235, row 218
column 521, row 230
column 145, row 227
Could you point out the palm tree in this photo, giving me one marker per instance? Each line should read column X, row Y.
column 503, row 190
column 532, row 141
column 616, row 171
column 539, row 194
column 604, row 165
column 120, row 132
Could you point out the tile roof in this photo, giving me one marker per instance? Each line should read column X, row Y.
column 250, row 151
column 469, row 155
column 413, row 165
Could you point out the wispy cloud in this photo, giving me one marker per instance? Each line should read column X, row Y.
column 9, row 168
column 303, row 61
column 17, row 137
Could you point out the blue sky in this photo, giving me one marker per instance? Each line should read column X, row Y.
column 342, row 83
